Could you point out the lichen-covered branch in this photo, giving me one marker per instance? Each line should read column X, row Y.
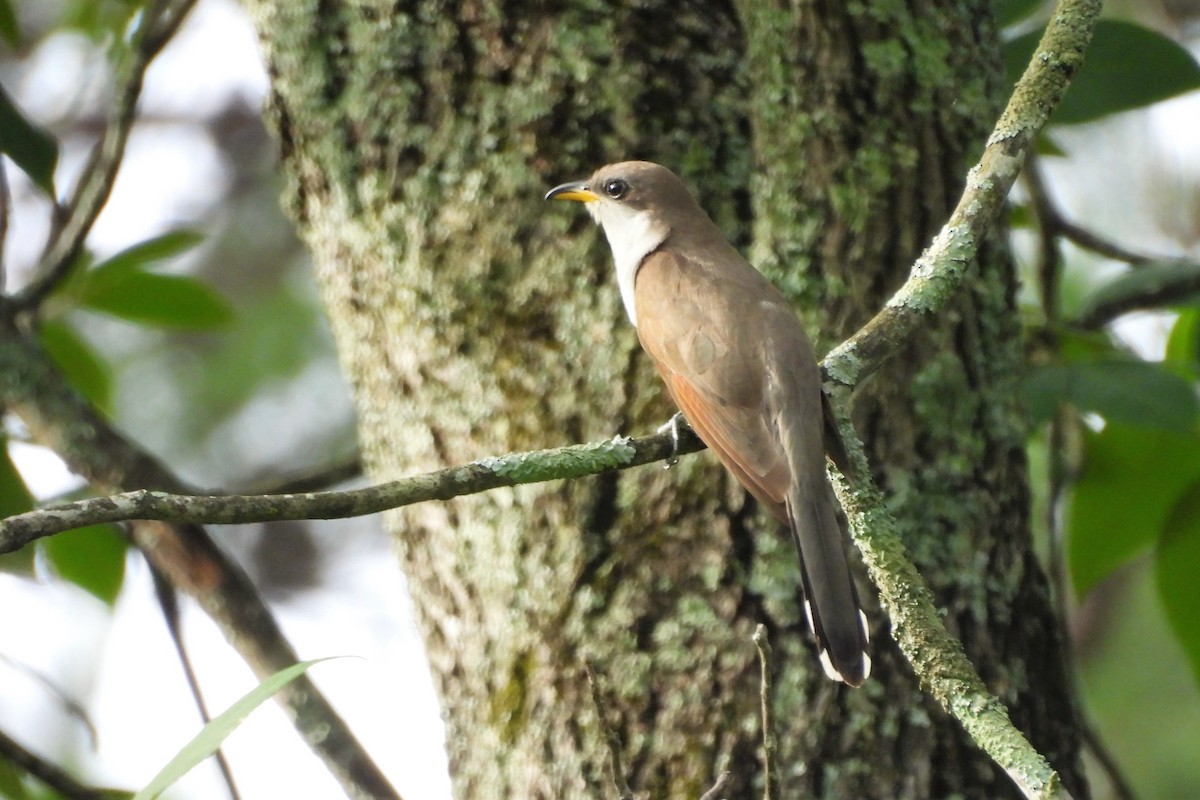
column 491, row 473
column 939, row 272
column 937, row 658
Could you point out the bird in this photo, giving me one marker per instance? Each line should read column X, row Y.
column 738, row 365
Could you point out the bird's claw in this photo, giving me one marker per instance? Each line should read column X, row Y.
column 672, row 425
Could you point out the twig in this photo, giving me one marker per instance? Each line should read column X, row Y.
column 5, row 210
column 74, row 221
column 1049, row 263
column 69, row 704
column 611, row 740
column 168, row 603
column 1090, row 240
column 715, row 792
column 1177, row 280
column 50, row 774
column 314, row 481
column 771, row 789
column 480, row 476
column 1063, row 461
column 1169, row 288
column 1112, row 770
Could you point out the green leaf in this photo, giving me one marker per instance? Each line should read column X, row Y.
column 1149, row 286
column 83, row 367
column 1175, row 563
column 31, row 148
column 14, row 499
column 92, row 558
column 169, row 301
column 1131, row 479
column 1045, row 146
column 123, row 287
column 151, row 251
column 1019, row 216
column 1183, row 345
column 1009, row 12
column 1120, row 390
column 216, row 731
column 10, row 30
column 100, row 20
column 1127, row 66
column 12, row 787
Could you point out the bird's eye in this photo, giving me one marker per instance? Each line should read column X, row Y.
column 616, row 188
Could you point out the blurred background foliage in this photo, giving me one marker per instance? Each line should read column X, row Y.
column 192, row 320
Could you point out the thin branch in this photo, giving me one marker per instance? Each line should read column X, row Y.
column 1176, row 283
column 1049, row 263
column 168, row 603
column 5, row 210
column 611, row 740
column 1172, row 281
column 574, row 461
column 1118, row 783
column 1090, row 240
column 74, row 221
column 771, row 789
column 316, row 480
column 50, row 774
column 69, row 704
column 717, row 788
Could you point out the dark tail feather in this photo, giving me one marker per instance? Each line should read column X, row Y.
column 830, row 599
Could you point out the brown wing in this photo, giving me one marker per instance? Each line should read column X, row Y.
column 696, row 331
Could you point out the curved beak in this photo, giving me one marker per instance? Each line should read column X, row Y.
column 576, row 190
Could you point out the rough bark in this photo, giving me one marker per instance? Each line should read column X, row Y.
column 471, row 320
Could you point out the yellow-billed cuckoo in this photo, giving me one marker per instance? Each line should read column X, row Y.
column 740, row 368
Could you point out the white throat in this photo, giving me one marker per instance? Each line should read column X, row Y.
column 632, row 235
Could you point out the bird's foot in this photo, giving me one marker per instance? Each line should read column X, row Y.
column 672, row 425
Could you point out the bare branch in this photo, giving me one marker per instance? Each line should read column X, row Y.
column 715, row 792
column 1158, row 283
column 316, row 480
column 1049, row 263
column 771, row 790
column 168, row 602
column 5, row 210
column 1158, row 286
column 610, row 736
column 1090, row 240
column 50, row 774
column 159, row 21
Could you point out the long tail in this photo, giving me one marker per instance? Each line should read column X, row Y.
column 830, row 599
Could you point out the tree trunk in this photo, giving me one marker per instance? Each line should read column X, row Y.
column 829, row 141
